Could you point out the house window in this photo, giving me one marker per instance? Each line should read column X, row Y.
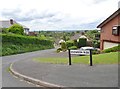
column 115, row 30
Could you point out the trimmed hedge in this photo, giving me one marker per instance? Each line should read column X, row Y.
column 73, row 47
column 113, row 49
column 13, row 44
column 82, row 42
column 19, row 39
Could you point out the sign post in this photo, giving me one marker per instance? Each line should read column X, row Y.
column 91, row 57
column 69, row 56
column 79, row 52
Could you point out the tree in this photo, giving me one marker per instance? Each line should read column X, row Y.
column 17, row 29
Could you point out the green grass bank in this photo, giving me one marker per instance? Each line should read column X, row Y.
column 106, row 58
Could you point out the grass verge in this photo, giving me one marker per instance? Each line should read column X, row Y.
column 106, row 58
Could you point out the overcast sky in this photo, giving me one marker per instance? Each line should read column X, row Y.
column 58, row 14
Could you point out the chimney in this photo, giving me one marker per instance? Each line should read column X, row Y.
column 11, row 21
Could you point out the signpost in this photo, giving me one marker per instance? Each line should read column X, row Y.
column 69, row 56
column 80, row 52
column 91, row 57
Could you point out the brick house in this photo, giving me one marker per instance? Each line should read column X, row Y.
column 110, row 31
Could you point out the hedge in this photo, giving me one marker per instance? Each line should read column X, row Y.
column 82, row 42
column 73, row 47
column 13, row 44
column 19, row 39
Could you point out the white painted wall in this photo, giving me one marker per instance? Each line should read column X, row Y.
column 109, row 45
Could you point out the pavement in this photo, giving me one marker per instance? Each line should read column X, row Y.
column 76, row 75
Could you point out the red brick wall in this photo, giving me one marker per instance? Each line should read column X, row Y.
column 106, row 32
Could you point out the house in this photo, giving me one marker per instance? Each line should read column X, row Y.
column 110, row 31
column 77, row 36
column 32, row 34
column 61, row 41
column 8, row 23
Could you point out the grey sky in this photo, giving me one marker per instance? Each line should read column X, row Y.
column 58, row 14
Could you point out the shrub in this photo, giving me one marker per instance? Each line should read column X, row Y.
column 73, row 47
column 75, row 43
column 69, row 43
column 59, row 49
column 113, row 49
column 17, row 29
column 82, row 42
column 63, row 46
column 96, row 52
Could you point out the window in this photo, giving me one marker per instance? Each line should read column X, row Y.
column 115, row 30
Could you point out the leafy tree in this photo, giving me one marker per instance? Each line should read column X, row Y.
column 17, row 29
column 94, row 36
column 91, row 34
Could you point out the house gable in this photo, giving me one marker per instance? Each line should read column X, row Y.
column 106, row 35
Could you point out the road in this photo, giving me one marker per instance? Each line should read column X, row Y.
column 105, row 75
column 8, row 80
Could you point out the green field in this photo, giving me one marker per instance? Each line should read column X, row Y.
column 106, row 58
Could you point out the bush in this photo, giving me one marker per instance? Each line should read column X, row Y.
column 17, row 29
column 73, row 47
column 69, row 43
column 59, row 49
column 113, row 49
column 63, row 46
column 82, row 42
column 96, row 52
column 75, row 43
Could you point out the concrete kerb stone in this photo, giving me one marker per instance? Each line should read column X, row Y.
column 33, row 80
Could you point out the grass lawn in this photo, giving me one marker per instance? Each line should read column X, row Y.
column 107, row 58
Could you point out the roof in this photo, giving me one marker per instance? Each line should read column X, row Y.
column 6, row 24
column 109, row 18
column 76, row 36
column 83, row 36
column 61, row 41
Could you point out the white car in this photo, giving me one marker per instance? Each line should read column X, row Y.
column 85, row 50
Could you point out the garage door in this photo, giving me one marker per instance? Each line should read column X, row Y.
column 109, row 45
